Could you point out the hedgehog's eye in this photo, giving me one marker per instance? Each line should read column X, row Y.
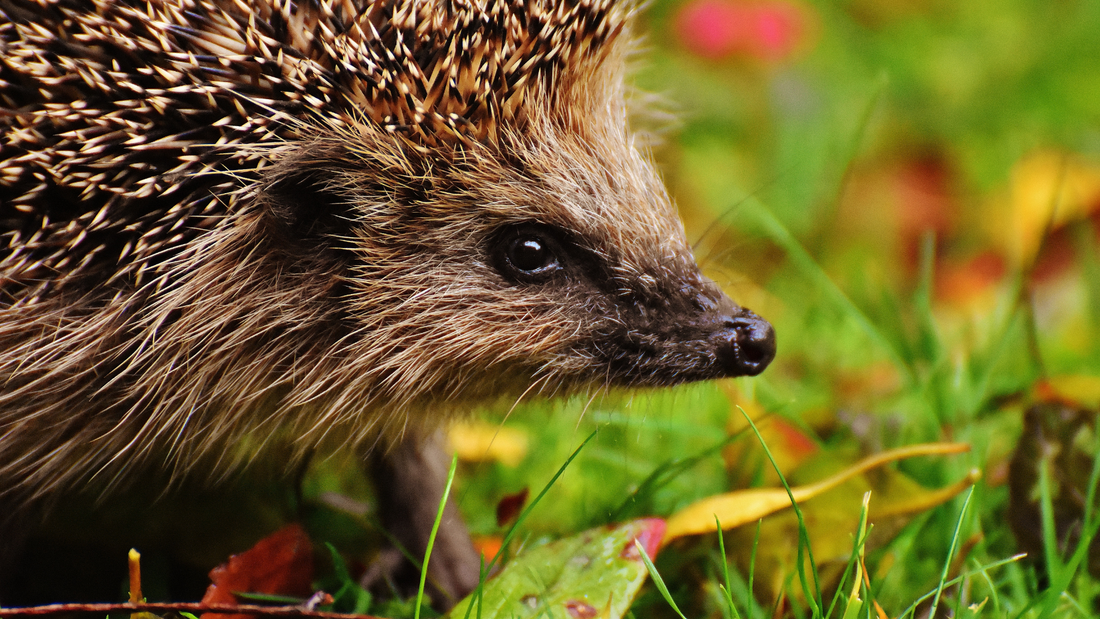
column 531, row 254
column 527, row 253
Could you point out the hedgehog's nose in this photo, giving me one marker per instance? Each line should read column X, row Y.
column 746, row 344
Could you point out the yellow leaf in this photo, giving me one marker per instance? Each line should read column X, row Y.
column 1047, row 190
column 736, row 508
column 484, row 442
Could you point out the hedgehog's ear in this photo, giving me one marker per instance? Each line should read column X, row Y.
column 300, row 207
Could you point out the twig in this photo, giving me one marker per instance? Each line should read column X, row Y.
column 190, row 607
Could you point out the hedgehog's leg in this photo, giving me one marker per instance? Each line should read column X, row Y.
column 409, row 480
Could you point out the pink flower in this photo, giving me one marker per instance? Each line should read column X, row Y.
column 770, row 30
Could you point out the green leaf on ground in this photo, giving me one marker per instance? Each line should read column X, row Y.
column 596, row 573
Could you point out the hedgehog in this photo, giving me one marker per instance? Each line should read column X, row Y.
column 235, row 226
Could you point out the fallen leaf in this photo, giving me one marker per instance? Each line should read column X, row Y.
column 971, row 282
column 509, row 507
column 916, row 499
column 279, row 564
column 831, row 520
column 596, row 573
column 736, row 508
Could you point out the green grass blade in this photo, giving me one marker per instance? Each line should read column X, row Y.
column 727, row 588
column 657, row 580
column 812, row 597
column 950, row 553
column 752, row 568
column 431, row 537
column 857, row 551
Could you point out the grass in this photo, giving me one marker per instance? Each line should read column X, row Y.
column 431, row 538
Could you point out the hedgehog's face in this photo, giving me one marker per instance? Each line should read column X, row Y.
column 559, row 269
column 594, row 242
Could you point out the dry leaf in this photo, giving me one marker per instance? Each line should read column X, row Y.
column 279, row 564
column 736, row 508
column 832, row 520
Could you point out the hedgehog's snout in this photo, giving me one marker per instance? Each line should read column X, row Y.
column 745, row 344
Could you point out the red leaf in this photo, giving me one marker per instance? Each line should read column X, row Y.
column 650, row 537
column 510, row 506
column 279, row 564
